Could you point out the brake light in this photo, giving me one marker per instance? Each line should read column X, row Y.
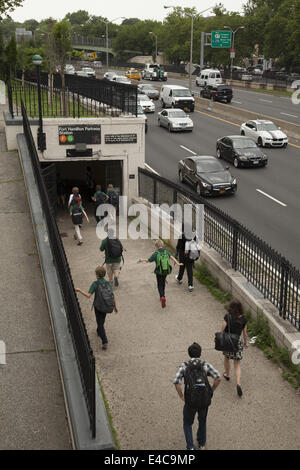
column 217, row 93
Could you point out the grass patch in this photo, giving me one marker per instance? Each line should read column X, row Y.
column 269, row 92
column 114, row 432
column 204, row 276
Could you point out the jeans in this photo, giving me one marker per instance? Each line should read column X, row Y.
column 161, row 285
column 188, row 266
column 100, row 318
column 188, row 420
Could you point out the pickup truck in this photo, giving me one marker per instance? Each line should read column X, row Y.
column 154, row 72
column 86, row 72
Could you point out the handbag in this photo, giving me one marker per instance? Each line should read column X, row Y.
column 227, row 342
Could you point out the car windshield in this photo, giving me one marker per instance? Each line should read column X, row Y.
column 177, row 114
column 209, row 167
column 182, row 93
column 244, row 144
column 148, row 87
column 267, row 126
column 143, row 98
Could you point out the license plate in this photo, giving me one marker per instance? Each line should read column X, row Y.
column 146, row 109
column 255, row 163
column 186, row 108
column 222, row 191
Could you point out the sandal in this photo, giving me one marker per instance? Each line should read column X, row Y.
column 226, row 377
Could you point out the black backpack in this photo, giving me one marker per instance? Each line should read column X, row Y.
column 113, row 198
column 101, row 199
column 197, row 391
column 77, row 216
column 104, row 298
column 114, row 248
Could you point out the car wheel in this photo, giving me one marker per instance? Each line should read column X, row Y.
column 163, row 104
column 181, row 177
column 169, row 128
column 219, row 153
column 198, row 189
column 260, row 142
column 284, row 146
column 228, row 101
column 236, row 163
column 242, row 133
column 158, row 122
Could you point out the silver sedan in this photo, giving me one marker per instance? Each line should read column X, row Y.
column 175, row 120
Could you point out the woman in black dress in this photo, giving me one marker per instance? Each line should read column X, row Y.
column 238, row 325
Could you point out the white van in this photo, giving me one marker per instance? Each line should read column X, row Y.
column 209, row 77
column 175, row 96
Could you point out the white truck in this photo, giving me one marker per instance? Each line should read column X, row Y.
column 154, row 72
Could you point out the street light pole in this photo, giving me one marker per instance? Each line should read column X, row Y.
column 232, row 46
column 41, row 137
column 106, row 33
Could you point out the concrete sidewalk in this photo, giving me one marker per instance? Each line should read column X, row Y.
column 32, row 409
column 147, row 345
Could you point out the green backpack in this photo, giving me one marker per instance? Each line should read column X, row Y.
column 163, row 263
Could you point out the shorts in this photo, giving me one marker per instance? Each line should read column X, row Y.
column 112, row 268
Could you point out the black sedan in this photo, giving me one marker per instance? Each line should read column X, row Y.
column 241, row 151
column 207, row 175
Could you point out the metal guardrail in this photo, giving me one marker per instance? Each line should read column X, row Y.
column 78, row 40
column 83, row 351
column 85, row 96
column 262, row 266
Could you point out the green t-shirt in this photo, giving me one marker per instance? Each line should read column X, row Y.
column 153, row 258
column 95, row 284
column 108, row 260
column 97, row 193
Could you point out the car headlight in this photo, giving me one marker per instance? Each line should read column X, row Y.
column 264, row 157
column 233, row 182
column 206, row 185
column 242, row 157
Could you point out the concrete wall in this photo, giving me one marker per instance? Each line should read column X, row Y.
column 131, row 154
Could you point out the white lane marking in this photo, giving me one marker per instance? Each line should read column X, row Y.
column 151, row 169
column 270, row 197
column 266, row 101
column 292, row 115
column 185, row 148
column 284, row 98
column 237, row 102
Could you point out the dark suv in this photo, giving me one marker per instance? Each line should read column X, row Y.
column 217, row 92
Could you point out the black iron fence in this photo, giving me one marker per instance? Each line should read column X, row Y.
column 84, row 96
column 262, row 266
column 84, row 353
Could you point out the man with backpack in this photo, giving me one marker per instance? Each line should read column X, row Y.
column 99, row 198
column 188, row 252
column 104, row 301
column 77, row 212
column 163, row 268
column 113, row 253
column 113, row 196
column 197, row 394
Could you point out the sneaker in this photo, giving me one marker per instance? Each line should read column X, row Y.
column 163, row 302
column 239, row 390
column 191, row 288
column 179, row 282
column 104, row 346
column 116, row 280
column 80, row 242
column 201, row 447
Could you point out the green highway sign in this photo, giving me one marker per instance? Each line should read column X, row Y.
column 221, row 39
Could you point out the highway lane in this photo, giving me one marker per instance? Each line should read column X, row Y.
column 275, row 106
column 275, row 220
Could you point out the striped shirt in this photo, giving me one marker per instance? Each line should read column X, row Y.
column 209, row 369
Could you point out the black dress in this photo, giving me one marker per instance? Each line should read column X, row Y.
column 236, row 327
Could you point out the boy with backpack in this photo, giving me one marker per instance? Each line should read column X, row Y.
column 104, row 301
column 99, row 198
column 77, row 212
column 188, row 252
column 163, row 268
column 113, row 253
column 197, row 394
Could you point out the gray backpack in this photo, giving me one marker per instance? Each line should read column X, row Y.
column 104, row 298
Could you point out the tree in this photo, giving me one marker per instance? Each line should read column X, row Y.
column 62, row 46
column 10, row 58
column 30, row 25
column 78, row 18
column 7, row 6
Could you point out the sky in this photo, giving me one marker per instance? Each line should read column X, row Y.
column 142, row 9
